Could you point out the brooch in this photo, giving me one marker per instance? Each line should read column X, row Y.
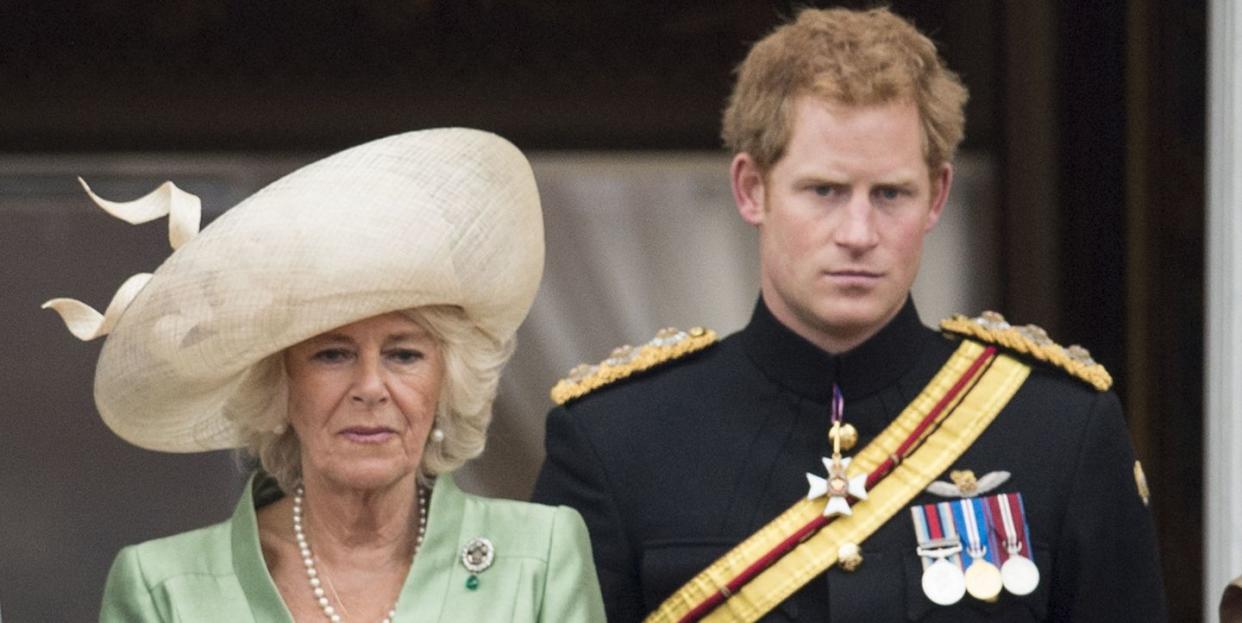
column 476, row 557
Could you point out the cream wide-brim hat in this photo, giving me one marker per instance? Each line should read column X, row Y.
column 435, row 217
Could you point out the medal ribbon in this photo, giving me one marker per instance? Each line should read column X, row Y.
column 838, row 414
column 942, row 514
column 838, row 404
column 969, row 513
column 1010, row 526
column 933, row 527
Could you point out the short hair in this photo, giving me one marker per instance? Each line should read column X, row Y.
column 472, row 364
column 852, row 58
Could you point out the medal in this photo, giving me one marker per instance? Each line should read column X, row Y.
column 943, row 581
column 1019, row 575
column 983, row 579
column 838, row 486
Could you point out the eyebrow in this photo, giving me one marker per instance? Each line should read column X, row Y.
column 898, row 180
column 334, row 338
column 408, row 335
column 331, row 337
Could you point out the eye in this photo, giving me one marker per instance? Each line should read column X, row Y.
column 405, row 355
column 332, row 355
column 890, row 193
column 823, row 190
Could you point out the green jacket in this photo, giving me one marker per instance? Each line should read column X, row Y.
column 542, row 569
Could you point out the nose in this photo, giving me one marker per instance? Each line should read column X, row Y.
column 857, row 230
column 368, row 388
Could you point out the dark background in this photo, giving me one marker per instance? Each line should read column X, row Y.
column 1092, row 111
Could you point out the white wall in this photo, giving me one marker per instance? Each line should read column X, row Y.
column 1223, row 463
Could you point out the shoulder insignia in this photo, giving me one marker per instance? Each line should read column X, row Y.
column 667, row 345
column 992, row 328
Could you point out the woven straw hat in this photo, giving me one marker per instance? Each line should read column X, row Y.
column 436, row 217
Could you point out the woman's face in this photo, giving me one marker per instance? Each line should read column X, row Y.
column 362, row 399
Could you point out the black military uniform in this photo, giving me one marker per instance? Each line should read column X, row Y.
column 673, row 467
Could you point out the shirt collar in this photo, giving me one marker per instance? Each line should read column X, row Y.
column 791, row 361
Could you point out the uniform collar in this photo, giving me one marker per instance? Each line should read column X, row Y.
column 795, row 363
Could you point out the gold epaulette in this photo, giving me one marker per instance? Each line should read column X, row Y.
column 992, row 328
column 667, row 345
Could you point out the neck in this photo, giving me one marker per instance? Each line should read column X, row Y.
column 362, row 527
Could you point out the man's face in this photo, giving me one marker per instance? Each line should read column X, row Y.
column 841, row 218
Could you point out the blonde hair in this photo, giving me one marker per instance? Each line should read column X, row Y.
column 472, row 365
column 853, row 58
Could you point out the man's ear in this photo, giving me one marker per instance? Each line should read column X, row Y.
column 941, row 182
column 748, row 191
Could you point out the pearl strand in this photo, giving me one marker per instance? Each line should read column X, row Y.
column 308, row 558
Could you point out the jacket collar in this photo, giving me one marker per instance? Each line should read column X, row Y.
column 793, row 362
column 264, row 600
column 428, row 578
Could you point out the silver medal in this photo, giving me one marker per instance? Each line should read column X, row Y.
column 1019, row 575
column 943, row 583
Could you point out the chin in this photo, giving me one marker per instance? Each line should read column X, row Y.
column 370, row 473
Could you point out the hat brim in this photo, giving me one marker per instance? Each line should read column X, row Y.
column 437, row 217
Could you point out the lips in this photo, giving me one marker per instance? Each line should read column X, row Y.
column 869, row 274
column 855, row 275
column 368, row 434
column 854, row 279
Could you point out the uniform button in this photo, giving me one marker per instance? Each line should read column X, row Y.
column 849, row 556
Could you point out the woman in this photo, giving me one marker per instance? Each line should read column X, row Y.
column 347, row 325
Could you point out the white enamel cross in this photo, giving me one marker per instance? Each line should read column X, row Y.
column 837, row 486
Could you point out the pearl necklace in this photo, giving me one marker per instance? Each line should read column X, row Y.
column 308, row 559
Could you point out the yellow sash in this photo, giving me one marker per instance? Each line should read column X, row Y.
column 972, row 412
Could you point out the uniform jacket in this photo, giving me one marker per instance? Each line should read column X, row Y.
column 673, row 467
column 542, row 569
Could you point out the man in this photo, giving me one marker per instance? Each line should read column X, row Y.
column 992, row 478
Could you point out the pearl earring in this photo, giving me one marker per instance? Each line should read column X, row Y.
column 279, row 429
column 437, row 435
